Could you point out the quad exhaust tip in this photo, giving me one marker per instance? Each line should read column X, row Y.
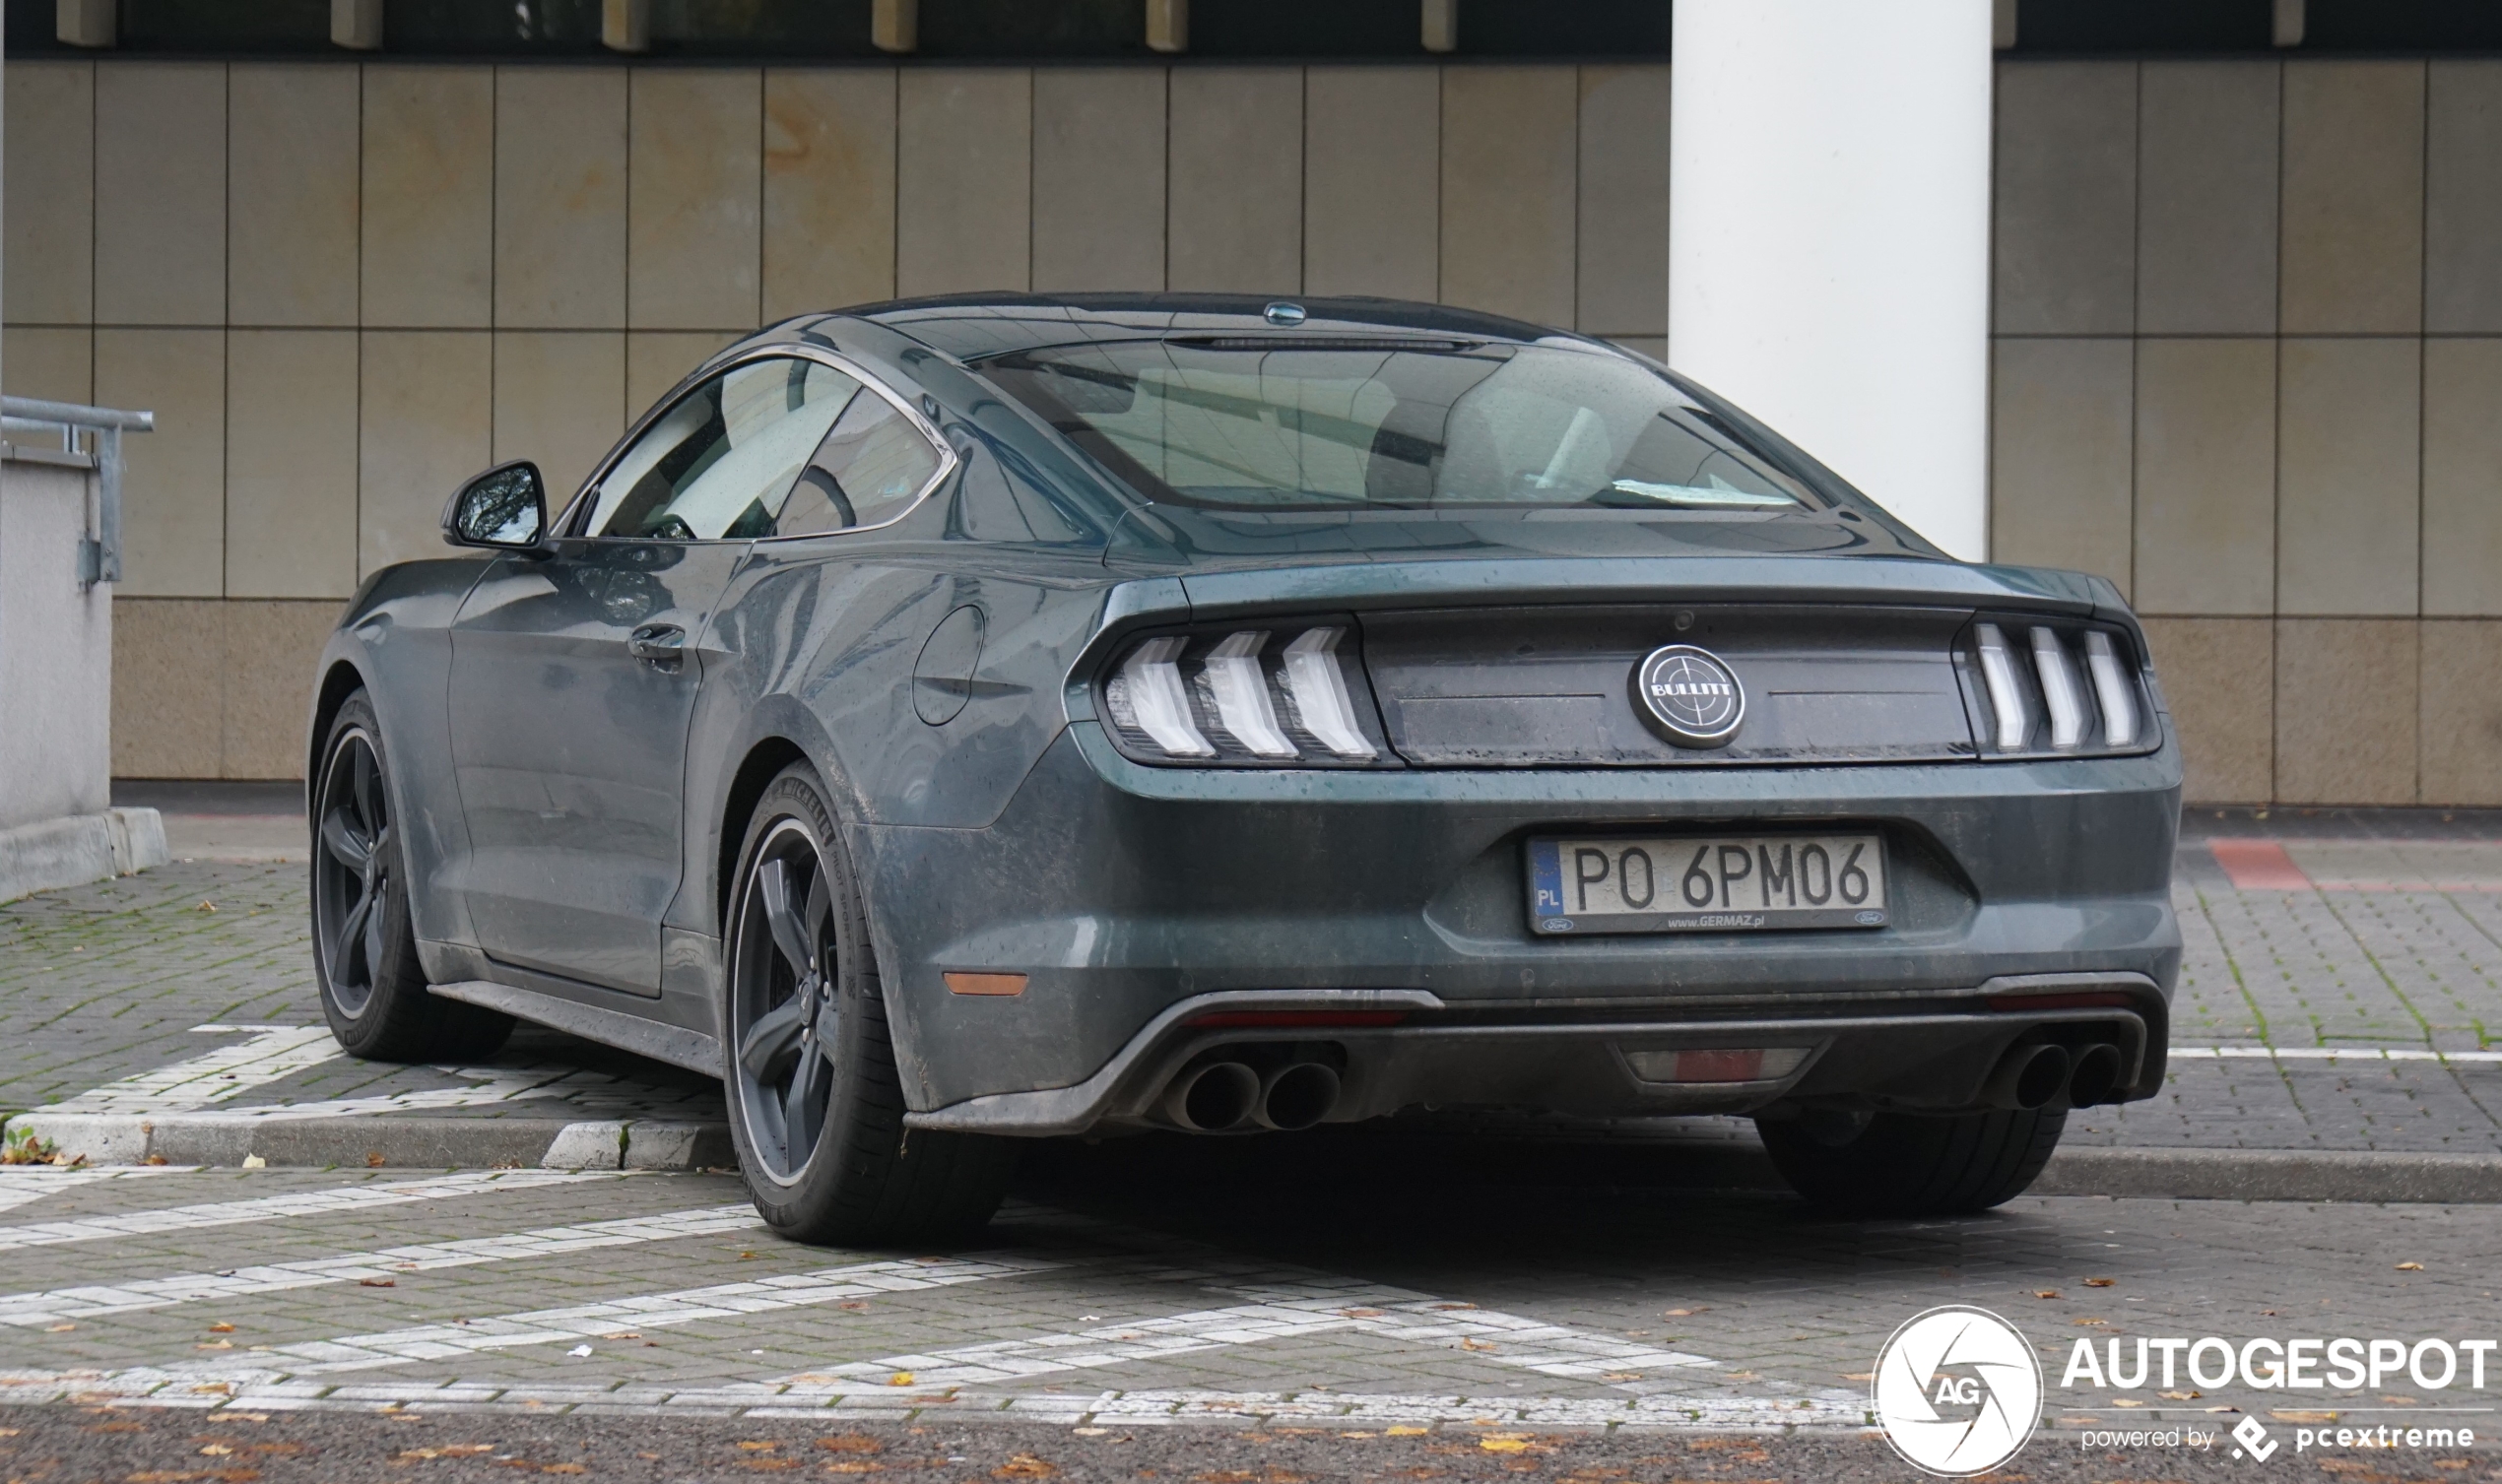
column 1297, row 1096
column 2027, row 1077
column 2095, row 1078
column 1212, row 1098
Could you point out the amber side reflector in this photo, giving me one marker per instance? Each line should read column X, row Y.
column 1231, row 1018
column 2087, row 999
column 984, row 984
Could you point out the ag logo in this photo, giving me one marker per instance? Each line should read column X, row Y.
column 1957, row 1390
column 1689, row 695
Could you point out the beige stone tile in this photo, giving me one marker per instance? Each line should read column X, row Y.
column 271, row 652
column 1622, row 274
column 1098, row 178
column 963, row 180
column 2354, row 248
column 2206, row 476
column 160, row 193
column 828, row 188
column 1509, row 206
column 658, row 360
column 693, row 214
column 2219, row 676
column 291, row 187
column 50, row 169
column 291, row 463
column 2463, row 476
column 2206, row 197
column 169, row 687
column 2059, row 455
column 1236, row 219
column 427, row 423
column 174, row 483
column 2348, row 480
column 2463, row 202
column 57, row 364
column 559, row 403
column 2329, row 672
column 429, row 196
column 560, row 198
column 2066, row 198
column 1372, row 175
column 2461, row 726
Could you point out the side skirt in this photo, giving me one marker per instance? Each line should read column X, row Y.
column 679, row 1047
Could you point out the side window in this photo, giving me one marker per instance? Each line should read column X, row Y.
column 718, row 463
column 869, row 467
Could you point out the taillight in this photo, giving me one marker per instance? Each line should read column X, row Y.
column 2053, row 689
column 1281, row 695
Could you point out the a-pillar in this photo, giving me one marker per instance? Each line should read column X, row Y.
column 1828, row 238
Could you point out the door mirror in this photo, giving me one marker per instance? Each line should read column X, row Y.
column 505, row 507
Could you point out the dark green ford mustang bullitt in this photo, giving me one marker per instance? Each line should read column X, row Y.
column 1026, row 716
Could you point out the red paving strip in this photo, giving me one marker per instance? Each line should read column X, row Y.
column 2258, row 866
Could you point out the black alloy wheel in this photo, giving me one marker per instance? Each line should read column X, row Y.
column 787, row 1015
column 364, row 944
column 817, row 1106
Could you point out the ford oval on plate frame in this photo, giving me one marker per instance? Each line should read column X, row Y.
column 1695, row 884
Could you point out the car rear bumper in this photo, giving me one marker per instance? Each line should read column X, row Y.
column 1136, row 900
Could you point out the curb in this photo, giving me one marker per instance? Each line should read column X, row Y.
column 2364, row 1176
column 383, row 1141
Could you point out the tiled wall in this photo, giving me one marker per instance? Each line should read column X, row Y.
column 2249, row 364
column 345, row 288
column 2249, row 319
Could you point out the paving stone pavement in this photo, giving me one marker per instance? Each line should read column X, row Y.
column 2393, row 947
column 1427, row 1295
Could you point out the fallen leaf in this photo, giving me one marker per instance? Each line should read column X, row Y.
column 2100, row 1282
column 621, row 1334
column 2182, row 1395
column 374, row 1159
column 1859, row 1376
column 899, row 1379
column 377, row 1282
column 1023, row 1466
column 2411, row 1267
column 221, row 1344
column 206, row 907
column 1466, row 1343
column 1362, row 1314
column 2304, row 1416
column 155, row 1159
column 2045, row 1293
column 752, row 1446
column 1504, row 1442
column 2106, row 1323
column 1622, row 1376
column 852, row 1442
column 1678, row 1313
column 1404, row 1430
column 58, row 1328
column 215, row 1451
column 743, row 1257
column 220, row 1329
column 854, row 1304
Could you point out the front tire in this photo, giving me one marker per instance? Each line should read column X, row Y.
column 364, row 945
column 815, row 1104
column 1902, row 1164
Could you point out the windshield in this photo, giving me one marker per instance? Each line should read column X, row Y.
column 1286, row 424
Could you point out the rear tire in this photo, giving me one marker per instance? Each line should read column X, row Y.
column 1902, row 1164
column 364, row 945
column 815, row 1104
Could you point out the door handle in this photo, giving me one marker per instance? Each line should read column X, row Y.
column 663, row 644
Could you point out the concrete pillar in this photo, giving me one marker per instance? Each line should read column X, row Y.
column 1829, row 235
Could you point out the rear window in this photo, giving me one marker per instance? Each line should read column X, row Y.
column 1286, row 425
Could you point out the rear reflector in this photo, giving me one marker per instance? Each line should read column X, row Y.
column 1236, row 1018
column 984, row 984
column 1755, row 1064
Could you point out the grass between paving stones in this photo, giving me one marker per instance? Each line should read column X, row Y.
column 40, row 1445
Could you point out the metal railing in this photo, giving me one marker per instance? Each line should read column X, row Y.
column 99, row 552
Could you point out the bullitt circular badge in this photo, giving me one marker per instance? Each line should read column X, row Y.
column 1688, row 695
column 1957, row 1390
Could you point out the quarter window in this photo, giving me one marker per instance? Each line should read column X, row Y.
column 719, row 464
column 873, row 462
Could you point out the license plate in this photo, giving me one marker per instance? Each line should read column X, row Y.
column 1706, row 885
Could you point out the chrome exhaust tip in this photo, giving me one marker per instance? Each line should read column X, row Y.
column 2095, row 1078
column 2027, row 1077
column 1211, row 1098
column 1297, row 1096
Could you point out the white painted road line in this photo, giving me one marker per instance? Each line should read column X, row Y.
column 43, row 1308
column 272, row 1053
column 351, row 1198
column 1286, row 1304
column 2332, row 1053
column 25, row 1185
column 858, row 1280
